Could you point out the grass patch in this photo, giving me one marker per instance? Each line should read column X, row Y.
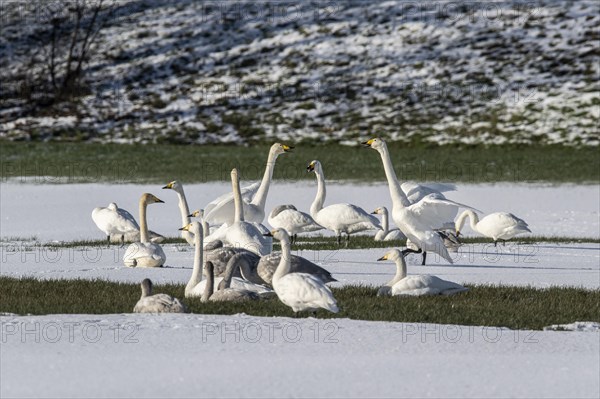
column 512, row 307
column 121, row 163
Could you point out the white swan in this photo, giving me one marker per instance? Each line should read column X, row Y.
column 254, row 211
column 158, row 303
column 241, row 233
column 415, row 285
column 417, row 221
column 497, row 226
column 144, row 253
column 195, row 286
column 292, row 220
column 300, row 291
column 183, row 209
column 225, row 293
column 119, row 225
column 339, row 218
column 385, row 234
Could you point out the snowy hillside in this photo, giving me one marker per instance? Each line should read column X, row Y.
column 472, row 72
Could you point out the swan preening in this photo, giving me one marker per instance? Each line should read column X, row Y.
column 415, row 285
column 119, row 225
column 145, row 253
column 339, row 218
column 418, row 221
column 497, row 226
column 241, row 233
column 292, row 220
column 386, row 234
column 300, row 291
column 157, row 303
column 221, row 210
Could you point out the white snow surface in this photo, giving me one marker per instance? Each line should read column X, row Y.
column 241, row 356
column 197, row 355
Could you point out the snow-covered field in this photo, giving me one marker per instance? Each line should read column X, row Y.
column 240, row 355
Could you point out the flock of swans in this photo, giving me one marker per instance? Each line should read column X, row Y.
column 233, row 257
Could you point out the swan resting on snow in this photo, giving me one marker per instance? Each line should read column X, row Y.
column 385, row 234
column 292, row 220
column 145, row 253
column 119, row 225
column 157, row 303
column 300, row 291
column 225, row 292
column 339, row 218
column 497, row 226
column 416, row 285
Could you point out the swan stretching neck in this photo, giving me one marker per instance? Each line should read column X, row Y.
column 183, row 208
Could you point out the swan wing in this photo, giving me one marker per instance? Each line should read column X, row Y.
column 303, row 291
column 224, row 204
column 346, row 217
column 425, row 285
column 436, row 211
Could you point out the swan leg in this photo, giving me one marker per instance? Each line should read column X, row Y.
column 122, row 240
column 108, row 240
column 339, row 239
column 495, row 243
column 347, row 239
column 424, row 256
column 294, row 238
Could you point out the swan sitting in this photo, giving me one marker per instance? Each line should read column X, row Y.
column 497, row 226
column 225, row 293
column 418, row 221
column 339, row 218
column 145, row 253
column 222, row 211
column 385, row 234
column 241, row 233
column 300, row 291
column 415, row 285
column 292, row 220
column 158, row 303
column 196, row 286
column 119, row 225
column 183, row 209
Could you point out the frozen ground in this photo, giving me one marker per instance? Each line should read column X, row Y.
column 239, row 355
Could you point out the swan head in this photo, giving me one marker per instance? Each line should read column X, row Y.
column 146, row 287
column 174, row 185
column 195, row 227
column 380, row 211
column 278, row 234
column 198, row 213
column 375, row 143
column 278, row 149
column 112, row 206
column 314, row 166
column 148, row 198
column 392, row 255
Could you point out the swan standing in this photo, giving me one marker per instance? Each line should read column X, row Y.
column 385, row 234
column 145, row 253
column 417, row 221
column 241, row 233
column 119, row 225
column 183, row 209
column 300, row 291
column 195, row 286
column 415, row 285
column 158, row 303
column 292, row 220
column 497, row 226
column 223, row 210
column 339, row 218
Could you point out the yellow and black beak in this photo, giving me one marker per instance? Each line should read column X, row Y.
column 368, row 143
column 384, row 257
column 170, row 185
column 374, row 212
column 269, row 234
column 287, row 148
column 310, row 167
column 186, row 227
column 159, row 201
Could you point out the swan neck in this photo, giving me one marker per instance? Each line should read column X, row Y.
column 384, row 222
column 398, row 196
column 260, row 198
column 473, row 220
column 198, row 260
column 143, row 222
column 317, row 204
column 400, row 270
column 231, row 266
column 285, row 264
column 237, row 199
column 183, row 208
